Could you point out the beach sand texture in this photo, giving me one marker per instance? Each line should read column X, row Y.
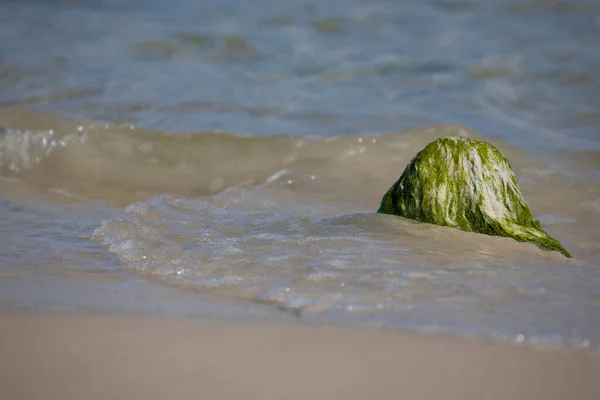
column 57, row 356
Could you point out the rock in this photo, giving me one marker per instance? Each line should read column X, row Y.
column 466, row 184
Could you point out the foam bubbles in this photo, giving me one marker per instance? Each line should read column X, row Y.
column 362, row 268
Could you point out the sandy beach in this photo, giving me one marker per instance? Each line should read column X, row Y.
column 189, row 195
column 57, row 356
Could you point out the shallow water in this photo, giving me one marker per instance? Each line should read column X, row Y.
column 228, row 160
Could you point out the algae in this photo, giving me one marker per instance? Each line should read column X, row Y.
column 328, row 26
column 469, row 185
column 236, row 43
column 237, row 48
column 170, row 47
column 195, row 40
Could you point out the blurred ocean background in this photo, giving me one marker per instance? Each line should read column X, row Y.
column 225, row 158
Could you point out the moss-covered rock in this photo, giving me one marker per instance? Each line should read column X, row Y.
column 466, row 184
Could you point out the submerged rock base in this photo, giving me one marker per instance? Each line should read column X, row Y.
column 466, row 184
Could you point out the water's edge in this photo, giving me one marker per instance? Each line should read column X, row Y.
column 118, row 219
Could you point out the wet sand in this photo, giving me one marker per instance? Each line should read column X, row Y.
column 57, row 356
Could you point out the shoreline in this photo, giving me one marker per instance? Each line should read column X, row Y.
column 70, row 356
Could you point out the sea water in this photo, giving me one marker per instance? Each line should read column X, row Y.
column 226, row 159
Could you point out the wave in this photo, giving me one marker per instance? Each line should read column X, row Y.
column 112, row 162
column 326, row 265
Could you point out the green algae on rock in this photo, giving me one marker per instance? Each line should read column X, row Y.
column 466, row 184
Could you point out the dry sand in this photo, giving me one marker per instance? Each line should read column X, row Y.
column 49, row 356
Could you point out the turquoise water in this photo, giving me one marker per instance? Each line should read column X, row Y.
column 225, row 159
